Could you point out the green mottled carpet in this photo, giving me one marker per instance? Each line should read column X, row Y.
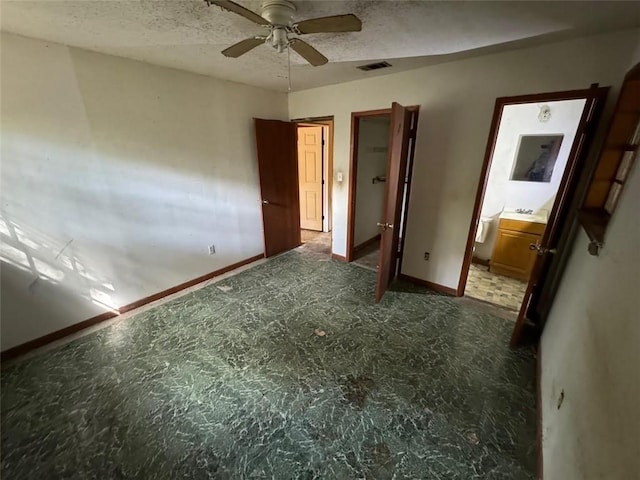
column 239, row 382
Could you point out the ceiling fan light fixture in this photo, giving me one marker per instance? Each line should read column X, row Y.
column 279, row 39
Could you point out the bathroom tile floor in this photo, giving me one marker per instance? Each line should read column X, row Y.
column 287, row 370
column 496, row 289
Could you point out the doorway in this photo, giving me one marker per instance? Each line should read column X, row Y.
column 314, row 193
column 532, row 148
column 281, row 185
column 278, row 165
column 536, row 145
column 371, row 158
column 370, row 142
column 314, row 147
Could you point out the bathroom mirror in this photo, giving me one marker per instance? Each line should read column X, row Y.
column 536, row 157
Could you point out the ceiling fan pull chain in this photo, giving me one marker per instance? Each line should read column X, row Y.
column 289, row 66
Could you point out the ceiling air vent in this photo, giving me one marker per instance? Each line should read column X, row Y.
column 374, row 66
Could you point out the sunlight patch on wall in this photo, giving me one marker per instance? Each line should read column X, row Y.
column 102, row 299
column 14, row 256
column 45, row 269
column 3, row 227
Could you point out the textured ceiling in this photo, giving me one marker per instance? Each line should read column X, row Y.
column 188, row 35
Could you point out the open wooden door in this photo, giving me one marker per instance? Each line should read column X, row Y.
column 399, row 132
column 536, row 303
column 278, row 170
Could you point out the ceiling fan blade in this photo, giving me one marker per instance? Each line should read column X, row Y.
column 240, row 48
column 306, row 51
column 240, row 10
column 336, row 23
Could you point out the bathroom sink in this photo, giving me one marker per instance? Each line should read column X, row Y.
column 540, row 217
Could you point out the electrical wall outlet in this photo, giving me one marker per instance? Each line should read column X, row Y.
column 426, row 256
column 212, row 249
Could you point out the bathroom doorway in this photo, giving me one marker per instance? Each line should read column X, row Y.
column 535, row 146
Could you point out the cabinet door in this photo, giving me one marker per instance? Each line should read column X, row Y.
column 511, row 254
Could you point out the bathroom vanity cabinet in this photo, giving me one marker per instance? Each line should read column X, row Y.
column 511, row 254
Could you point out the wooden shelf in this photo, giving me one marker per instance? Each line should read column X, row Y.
column 614, row 163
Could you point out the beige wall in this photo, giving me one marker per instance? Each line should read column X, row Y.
column 135, row 168
column 456, row 104
column 591, row 351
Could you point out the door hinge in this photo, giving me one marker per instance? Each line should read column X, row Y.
column 323, row 142
column 323, row 217
column 322, row 182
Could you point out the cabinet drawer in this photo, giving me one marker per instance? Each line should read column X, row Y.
column 520, row 226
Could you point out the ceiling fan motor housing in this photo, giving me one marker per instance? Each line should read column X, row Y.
column 278, row 12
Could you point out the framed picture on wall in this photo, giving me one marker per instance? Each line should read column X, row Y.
column 536, row 157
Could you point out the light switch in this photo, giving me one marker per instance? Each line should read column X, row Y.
column 339, row 176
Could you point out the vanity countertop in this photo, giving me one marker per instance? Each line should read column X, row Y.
column 539, row 217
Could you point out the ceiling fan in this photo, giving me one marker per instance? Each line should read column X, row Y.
column 277, row 16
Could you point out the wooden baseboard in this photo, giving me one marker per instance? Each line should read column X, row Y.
column 430, row 285
column 190, row 283
column 26, row 347
column 366, row 244
column 480, row 261
column 339, row 258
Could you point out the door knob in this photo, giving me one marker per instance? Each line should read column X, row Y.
column 540, row 249
column 265, row 202
column 385, row 226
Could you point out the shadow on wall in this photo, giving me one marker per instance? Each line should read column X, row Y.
column 117, row 176
column 92, row 255
column 84, row 233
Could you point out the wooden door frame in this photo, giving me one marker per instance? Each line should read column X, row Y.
column 413, row 136
column 540, row 292
column 500, row 103
column 328, row 122
column 323, row 166
column 353, row 170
